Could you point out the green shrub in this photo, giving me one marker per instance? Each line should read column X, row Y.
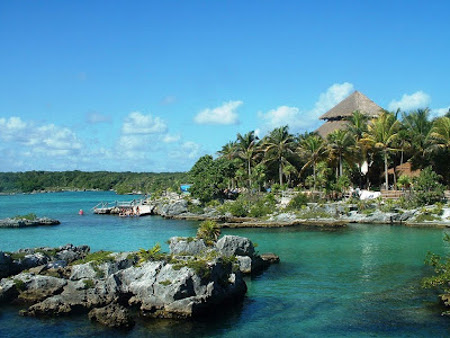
column 88, row 283
column 165, row 282
column 427, row 189
column 208, row 231
column 153, row 254
column 97, row 258
column 297, row 202
column 20, row 285
column 28, row 217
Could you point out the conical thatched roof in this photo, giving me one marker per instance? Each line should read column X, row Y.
column 356, row 101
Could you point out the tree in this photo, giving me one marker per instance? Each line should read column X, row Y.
column 341, row 147
column 208, row 178
column 440, row 133
column 427, row 189
column 418, row 128
column 313, row 149
column 248, row 151
column 278, row 147
column 382, row 135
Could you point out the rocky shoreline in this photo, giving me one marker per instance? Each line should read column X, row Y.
column 195, row 278
column 329, row 215
column 25, row 223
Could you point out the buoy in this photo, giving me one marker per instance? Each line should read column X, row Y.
column 81, row 212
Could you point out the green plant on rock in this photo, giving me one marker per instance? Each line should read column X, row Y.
column 28, row 217
column 88, row 283
column 208, row 231
column 96, row 258
column 20, row 285
column 153, row 254
column 297, row 202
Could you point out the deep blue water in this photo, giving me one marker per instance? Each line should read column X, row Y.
column 360, row 281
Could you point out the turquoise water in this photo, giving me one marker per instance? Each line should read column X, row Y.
column 359, row 281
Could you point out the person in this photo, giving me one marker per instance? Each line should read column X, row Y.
column 81, row 212
column 137, row 211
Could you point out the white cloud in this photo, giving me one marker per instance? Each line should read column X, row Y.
column 168, row 100
column 410, row 102
column 440, row 111
column 36, row 146
column 334, row 94
column 171, row 138
column 96, row 117
column 224, row 114
column 281, row 116
column 137, row 123
column 306, row 120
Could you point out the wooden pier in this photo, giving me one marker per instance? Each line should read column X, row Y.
column 123, row 208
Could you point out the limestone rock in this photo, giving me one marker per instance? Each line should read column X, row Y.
column 230, row 245
column 112, row 315
column 179, row 245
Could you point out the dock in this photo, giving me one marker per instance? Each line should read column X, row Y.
column 136, row 207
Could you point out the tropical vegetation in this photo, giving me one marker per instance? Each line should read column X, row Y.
column 358, row 155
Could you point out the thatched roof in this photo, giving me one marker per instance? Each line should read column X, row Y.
column 330, row 126
column 356, row 101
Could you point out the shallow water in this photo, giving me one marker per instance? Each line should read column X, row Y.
column 360, row 281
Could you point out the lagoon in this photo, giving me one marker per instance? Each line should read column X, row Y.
column 363, row 280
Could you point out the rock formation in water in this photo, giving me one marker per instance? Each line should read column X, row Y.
column 24, row 223
column 193, row 279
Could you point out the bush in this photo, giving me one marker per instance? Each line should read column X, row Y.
column 297, row 202
column 427, row 189
column 208, row 231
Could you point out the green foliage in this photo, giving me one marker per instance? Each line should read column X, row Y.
column 153, row 254
column 404, row 181
column 427, row 189
column 165, row 282
column 88, row 283
column 121, row 182
column 440, row 280
column 194, row 208
column 28, row 217
column 297, row 202
column 96, row 258
column 426, row 217
column 208, row 231
column 257, row 205
column 20, row 285
column 209, row 178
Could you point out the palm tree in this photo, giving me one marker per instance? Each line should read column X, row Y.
column 418, row 127
column 248, row 151
column 341, row 147
column 228, row 150
column 382, row 133
column 278, row 146
column 313, row 149
column 440, row 133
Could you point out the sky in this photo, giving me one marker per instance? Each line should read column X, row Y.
column 150, row 86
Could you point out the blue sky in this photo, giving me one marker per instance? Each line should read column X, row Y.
column 153, row 85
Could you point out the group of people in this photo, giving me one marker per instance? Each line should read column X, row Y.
column 124, row 212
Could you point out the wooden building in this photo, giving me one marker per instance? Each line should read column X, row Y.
column 336, row 117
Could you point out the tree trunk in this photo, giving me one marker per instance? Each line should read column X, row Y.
column 249, row 176
column 314, row 176
column 386, row 170
column 280, row 173
column 340, row 165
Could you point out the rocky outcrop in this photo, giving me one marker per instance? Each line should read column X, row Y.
column 248, row 261
column 23, row 223
column 12, row 263
column 192, row 280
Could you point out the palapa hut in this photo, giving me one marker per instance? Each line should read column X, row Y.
column 336, row 117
